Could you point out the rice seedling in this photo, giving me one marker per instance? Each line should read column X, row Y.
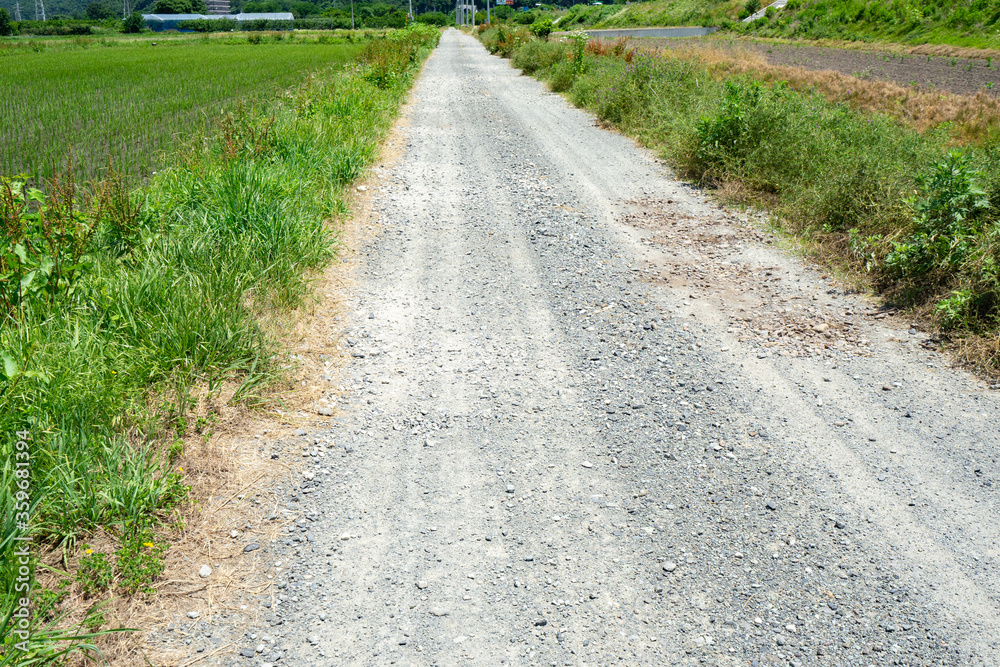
column 136, row 104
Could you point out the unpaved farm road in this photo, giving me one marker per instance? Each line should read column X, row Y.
column 585, row 423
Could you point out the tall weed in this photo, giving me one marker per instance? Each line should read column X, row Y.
column 842, row 177
column 137, row 296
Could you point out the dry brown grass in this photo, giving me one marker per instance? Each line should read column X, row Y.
column 974, row 118
column 943, row 50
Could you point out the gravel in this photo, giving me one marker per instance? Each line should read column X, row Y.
column 555, row 451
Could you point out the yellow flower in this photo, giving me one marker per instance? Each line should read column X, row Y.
column 89, row 551
column 148, row 544
column 179, row 469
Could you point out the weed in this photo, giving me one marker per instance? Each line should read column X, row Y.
column 95, row 573
column 176, row 451
column 807, row 147
column 948, row 218
column 47, row 600
column 98, row 364
column 139, row 562
column 578, row 40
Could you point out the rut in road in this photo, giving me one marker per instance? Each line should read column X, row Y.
column 549, row 458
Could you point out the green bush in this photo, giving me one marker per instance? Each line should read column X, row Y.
column 133, row 23
column 542, row 28
column 948, row 220
column 536, row 55
column 435, row 18
column 525, row 18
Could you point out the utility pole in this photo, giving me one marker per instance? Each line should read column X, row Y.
column 458, row 20
column 39, row 10
column 126, row 9
column 17, row 12
column 352, row 14
column 411, row 10
column 488, row 12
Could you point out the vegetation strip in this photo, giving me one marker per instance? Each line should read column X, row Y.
column 915, row 212
column 970, row 24
column 117, row 304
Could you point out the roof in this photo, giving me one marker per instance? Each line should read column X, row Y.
column 276, row 16
column 176, row 17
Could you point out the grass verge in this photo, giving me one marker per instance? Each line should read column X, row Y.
column 913, row 208
column 117, row 304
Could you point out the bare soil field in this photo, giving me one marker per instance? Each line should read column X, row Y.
column 964, row 76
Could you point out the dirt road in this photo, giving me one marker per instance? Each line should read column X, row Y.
column 592, row 419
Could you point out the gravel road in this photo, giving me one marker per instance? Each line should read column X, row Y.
column 590, row 418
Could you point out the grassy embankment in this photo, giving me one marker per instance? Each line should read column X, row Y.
column 871, row 177
column 115, row 304
column 965, row 23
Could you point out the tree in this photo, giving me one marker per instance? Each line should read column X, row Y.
column 180, row 7
column 98, row 12
column 541, row 28
column 304, row 9
column 433, row 18
column 5, row 26
column 134, row 23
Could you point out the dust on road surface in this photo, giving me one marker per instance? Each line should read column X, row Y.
column 592, row 419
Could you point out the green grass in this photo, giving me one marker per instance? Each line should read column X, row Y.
column 136, row 104
column 962, row 23
column 870, row 194
column 670, row 13
column 115, row 305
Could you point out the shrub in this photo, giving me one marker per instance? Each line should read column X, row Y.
column 133, row 23
column 542, row 28
column 525, row 18
column 948, row 219
column 507, row 40
column 434, row 18
column 535, row 56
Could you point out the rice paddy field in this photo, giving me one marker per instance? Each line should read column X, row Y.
column 135, row 103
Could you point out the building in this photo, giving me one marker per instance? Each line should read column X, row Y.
column 217, row 6
column 161, row 22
